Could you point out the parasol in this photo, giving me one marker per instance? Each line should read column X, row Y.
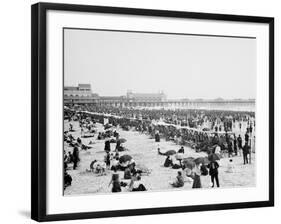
column 170, row 152
column 203, row 160
column 214, row 157
column 107, row 126
column 125, row 158
column 122, row 140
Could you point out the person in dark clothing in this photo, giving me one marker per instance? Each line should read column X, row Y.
column 135, row 184
column 69, row 158
column 196, row 176
column 118, row 145
column 230, row 149
column 116, row 134
column 116, row 156
column 181, row 150
column 227, row 138
column 65, row 165
column 204, row 170
column 116, row 185
column 107, row 159
column 246, row 138
column 239, row 143
column 79, row 140
column 216, row 128
column 213, row 172
column 127, row 174
column 157, row 137
column 246, row 150
column 67, row 179
column 250, row 129
column 168, row 162
column 70, row 126
column 107, row 146
column 75, row 157
column 235, row 145
column 141, row 187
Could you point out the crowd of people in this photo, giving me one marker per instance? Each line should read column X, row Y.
column 199, row 129
column 214, row 132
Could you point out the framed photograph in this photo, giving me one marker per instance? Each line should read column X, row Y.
column 141, row 111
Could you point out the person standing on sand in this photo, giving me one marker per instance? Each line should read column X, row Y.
column 230, row 149
column 246, row 150
column 196, row 176
column 107, row 159
column 157, row 137
column 116, row 185
column 107, row 146
column 235, row 145
column 246, row 137
column 75, row 157
column 213, row 172
column 239, row 141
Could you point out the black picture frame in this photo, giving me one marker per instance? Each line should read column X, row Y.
column 39, row 108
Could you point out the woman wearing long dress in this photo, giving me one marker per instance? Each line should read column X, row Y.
column 196, row 177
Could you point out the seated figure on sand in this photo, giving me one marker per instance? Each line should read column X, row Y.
column 168, row 162
column 179, row 182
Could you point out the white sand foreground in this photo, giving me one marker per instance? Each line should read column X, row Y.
column 144, row 152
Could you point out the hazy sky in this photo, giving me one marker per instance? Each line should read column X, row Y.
column 183, row 66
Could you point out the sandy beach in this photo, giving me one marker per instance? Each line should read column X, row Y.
column 144, row 151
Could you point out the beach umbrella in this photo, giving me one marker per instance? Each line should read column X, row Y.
column 170, row 152
column 122, row 140
column 203, row 160
column 107, row 126
column 214, row 157
column 125, row 158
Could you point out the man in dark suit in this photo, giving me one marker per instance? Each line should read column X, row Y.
column 239, row 144
column 246, row 151
column 213, row 171
column 246, row 137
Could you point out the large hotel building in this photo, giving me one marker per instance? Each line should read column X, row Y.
column 82, row 94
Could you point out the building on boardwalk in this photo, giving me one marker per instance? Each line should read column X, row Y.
column 82, row 94
column 79, row 94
